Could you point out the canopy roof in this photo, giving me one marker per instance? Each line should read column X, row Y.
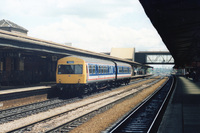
column 178, row 23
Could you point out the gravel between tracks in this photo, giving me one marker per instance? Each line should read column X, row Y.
column 102, row 121
column 34, row 118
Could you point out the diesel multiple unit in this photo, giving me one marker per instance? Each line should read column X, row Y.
column 84, row 74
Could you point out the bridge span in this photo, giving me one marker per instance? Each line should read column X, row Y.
column 154, row 57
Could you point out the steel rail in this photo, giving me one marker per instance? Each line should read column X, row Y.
column 63, row 113
column 109, row 105
column 123, row 121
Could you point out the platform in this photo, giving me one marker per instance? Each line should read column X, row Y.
column 13, row 97
column 24, row 88
column 183, row 112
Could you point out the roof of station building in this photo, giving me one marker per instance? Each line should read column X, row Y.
column 7, row 23
column 8, row 39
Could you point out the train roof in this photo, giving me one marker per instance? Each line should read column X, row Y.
column 100, row 61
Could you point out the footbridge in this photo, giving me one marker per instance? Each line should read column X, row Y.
column 154, row 57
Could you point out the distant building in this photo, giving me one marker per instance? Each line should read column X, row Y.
column 125, row 53
column 12, row 27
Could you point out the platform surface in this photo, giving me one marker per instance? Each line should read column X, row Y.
column 183, row 112
column 23, row 89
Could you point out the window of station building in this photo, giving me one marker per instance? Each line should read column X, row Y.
column 1, row 66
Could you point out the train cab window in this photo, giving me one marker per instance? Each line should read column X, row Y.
column 70, row 69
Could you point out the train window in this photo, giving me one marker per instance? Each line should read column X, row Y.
column 78, row 69
column 104, row 69
column 110, row 69
column 70, row 69
column 125, row 69
column 129, row 70
column 90, row 69
column 99, row 69
column 93, row 69
column 120, row 70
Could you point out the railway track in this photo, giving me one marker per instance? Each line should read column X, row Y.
column 15, row 113
column 112, row 99
column 30, row 109
column 66, row 127
column 145, row 117
column 26, row 110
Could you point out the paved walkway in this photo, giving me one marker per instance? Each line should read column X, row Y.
column 183, row 112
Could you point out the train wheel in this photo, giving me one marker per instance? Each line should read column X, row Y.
column 109, row 86
column 85, row 90
column 95, row 87
column 91, row 89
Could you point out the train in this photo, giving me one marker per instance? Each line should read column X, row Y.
column 81, row 75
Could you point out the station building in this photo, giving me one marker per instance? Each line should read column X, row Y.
column 28, row 60
column 19, row 66
column 12, row 27
column 128, row 54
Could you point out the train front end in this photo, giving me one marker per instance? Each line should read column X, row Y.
column 71, row 74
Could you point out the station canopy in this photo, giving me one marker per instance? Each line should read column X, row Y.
column 178, row 23
column 11, row 41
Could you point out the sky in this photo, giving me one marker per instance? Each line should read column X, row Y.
column 95, row 25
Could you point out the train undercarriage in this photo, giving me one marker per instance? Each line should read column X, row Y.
column 72, row 90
